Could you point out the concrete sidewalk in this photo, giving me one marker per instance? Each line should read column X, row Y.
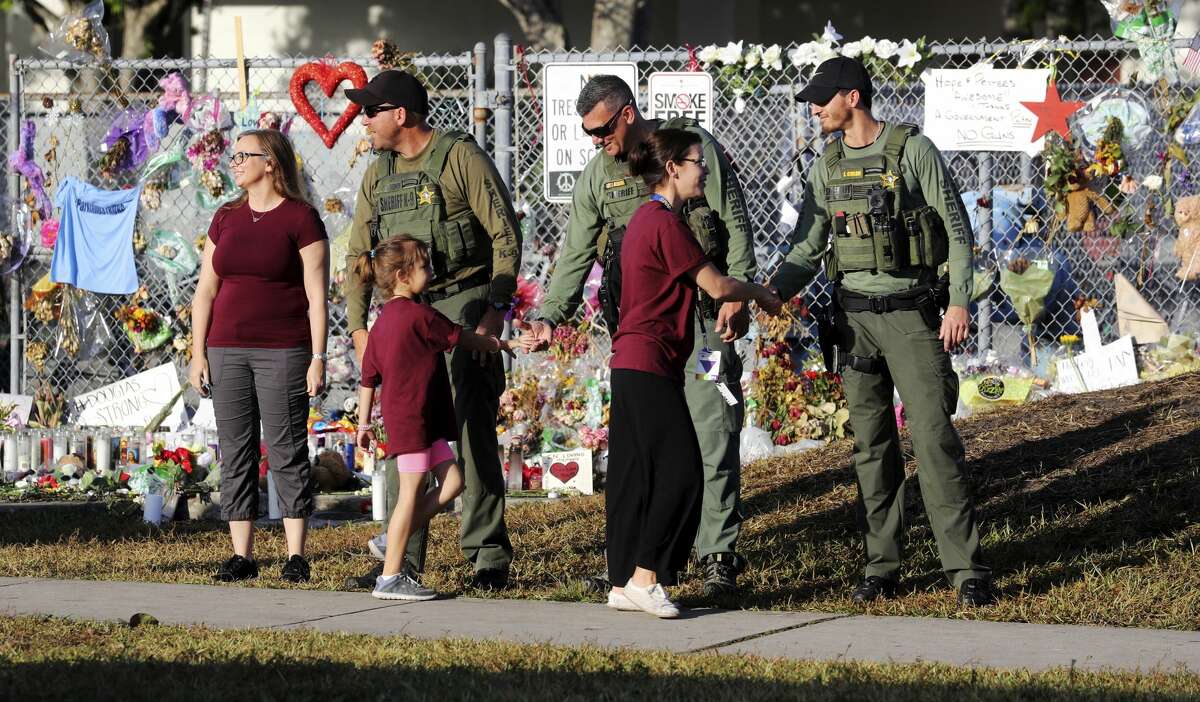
column 797, row 635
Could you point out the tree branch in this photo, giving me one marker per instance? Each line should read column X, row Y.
column 540, row 22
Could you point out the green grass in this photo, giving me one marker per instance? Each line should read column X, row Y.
column 45, row 658
column 1087, row 509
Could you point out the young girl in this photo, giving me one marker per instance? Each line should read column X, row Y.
column 404, row 353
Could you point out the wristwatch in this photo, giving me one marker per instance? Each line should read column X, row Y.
column 320, row 357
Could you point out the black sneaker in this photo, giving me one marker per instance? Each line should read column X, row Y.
column 976, row 592
column 235, row 569
column 296, row 570
column 364, row 582
column 720, row 573
column 873, row 588
column 490, row 579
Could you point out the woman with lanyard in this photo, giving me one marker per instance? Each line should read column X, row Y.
column 654, row 477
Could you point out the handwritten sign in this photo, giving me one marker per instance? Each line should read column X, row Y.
column 568, row 469
column 567, row 149
column 681, row 94
column 1111, row 366
column 131, row 402
column 22, row 405
column 979, row 108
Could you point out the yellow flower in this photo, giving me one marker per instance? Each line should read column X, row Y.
column 1069, row 339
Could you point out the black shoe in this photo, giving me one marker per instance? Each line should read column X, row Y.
column 296, row 570
column 235, row 569
column 364, row 582
column 873, row 588
column 596, row 584
column 720, row 573
column 976, row 592
column 489, row 579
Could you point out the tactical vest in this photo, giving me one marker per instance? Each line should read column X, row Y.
column 872, row 229
column 412, row 203
column 621, row 196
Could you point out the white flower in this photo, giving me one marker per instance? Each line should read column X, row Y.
column 824, row 53
column 908, row 55
column 772, row 57
column 709, row 54
column 852, row 49
column 803, row 55
column 739, row 105
column 867, row 44
column 886, row 48
column 731, row 54
column 1152, row 182
column 753, row 56
column 830, row 35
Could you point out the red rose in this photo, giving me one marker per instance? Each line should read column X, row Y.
column 775, row 424
column 795, row 412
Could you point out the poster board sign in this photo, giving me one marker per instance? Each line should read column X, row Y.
column 1111, row 366
column 681, row 94
column 22, row 405
column 131, row 402
column 566, row 149
column 979, row 108
column 568, row 469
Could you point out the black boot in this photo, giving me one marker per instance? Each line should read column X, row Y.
column 873, row 588
column 720, row 573
column 976, row 592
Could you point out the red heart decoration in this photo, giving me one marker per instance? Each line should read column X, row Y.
column 564, row 471
column 328, row 77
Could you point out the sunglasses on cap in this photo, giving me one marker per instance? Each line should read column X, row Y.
column 607, row 128
column 372, row 110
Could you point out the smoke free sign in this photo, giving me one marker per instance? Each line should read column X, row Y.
column 674, row 94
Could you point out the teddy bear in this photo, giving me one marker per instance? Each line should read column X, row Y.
column 1080, row 216
column 1187, row 245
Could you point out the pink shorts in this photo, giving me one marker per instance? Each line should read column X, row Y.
column 424, row 461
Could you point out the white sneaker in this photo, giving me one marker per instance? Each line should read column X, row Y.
column 621, row 603
column 652, row 600
column 378, row 546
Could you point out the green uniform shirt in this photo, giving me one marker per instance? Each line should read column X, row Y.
column 469, row 182
column 926, row 182
column 578, row 252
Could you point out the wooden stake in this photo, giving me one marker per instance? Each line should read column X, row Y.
column 243, row 93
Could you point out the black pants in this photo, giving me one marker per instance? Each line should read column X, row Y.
column 267, row 386
column 655, row 477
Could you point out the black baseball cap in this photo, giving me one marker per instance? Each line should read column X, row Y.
column 392, row 87
column 838, row 73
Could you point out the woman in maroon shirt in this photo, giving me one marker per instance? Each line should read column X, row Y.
column 258, row 342
column 655, row 478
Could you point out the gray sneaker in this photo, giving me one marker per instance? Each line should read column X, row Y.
column 402, row 587
column 378, row 546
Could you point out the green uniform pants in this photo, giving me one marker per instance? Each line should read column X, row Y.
column 718, row 427
column 477, row 389
column 917, row 365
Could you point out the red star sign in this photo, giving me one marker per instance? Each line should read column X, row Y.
column 1052, row 113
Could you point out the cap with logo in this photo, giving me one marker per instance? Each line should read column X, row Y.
column 392, row 87
column 840, row 73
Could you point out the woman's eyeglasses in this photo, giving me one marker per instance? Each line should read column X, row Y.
column 240, row 157
column 698, row 161
column 607, row 128
column 372, row 110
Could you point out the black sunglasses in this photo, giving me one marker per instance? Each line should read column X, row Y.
column 372, row 110
column 607, row 128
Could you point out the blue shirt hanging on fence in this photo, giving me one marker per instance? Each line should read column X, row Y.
column 95, row 238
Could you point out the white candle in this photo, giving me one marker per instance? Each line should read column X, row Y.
column 23, row 463
column 10, row 457
column 60, row 446
column 102, row 450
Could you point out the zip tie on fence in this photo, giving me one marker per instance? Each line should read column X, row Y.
column 523, row 67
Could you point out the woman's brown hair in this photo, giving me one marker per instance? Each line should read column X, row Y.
column 400, row 254
column 649, row 158
column 286, row 176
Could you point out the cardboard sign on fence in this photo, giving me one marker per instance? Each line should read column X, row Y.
column 132, row 402
column 979, row 108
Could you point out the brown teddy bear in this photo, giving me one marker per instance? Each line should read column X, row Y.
column 1187, row 245
column 1080, row 216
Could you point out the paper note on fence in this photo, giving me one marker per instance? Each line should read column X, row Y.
column 979, row 108
column 132, row 402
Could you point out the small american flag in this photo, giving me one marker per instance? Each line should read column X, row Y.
column 1192, row 60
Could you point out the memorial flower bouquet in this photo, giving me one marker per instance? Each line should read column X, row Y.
column 749, row 71
column 519, row 426
column 884, row 59
column 1027, row 281
column 793, row 406
column 144, row 327
column 205, row 154
column 1109, row 159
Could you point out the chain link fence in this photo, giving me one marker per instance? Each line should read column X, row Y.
column 73, row 109
column 772, row 139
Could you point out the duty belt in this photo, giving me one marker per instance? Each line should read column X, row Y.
column 914, row 299
column 483, row 277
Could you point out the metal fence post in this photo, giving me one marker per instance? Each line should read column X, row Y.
column 503, row 137
column 983, row 237
column 480, row 112
column 15, row 338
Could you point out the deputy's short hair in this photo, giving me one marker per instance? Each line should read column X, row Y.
column 611, row 90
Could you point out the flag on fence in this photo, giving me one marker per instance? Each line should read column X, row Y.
column 1192, row 60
